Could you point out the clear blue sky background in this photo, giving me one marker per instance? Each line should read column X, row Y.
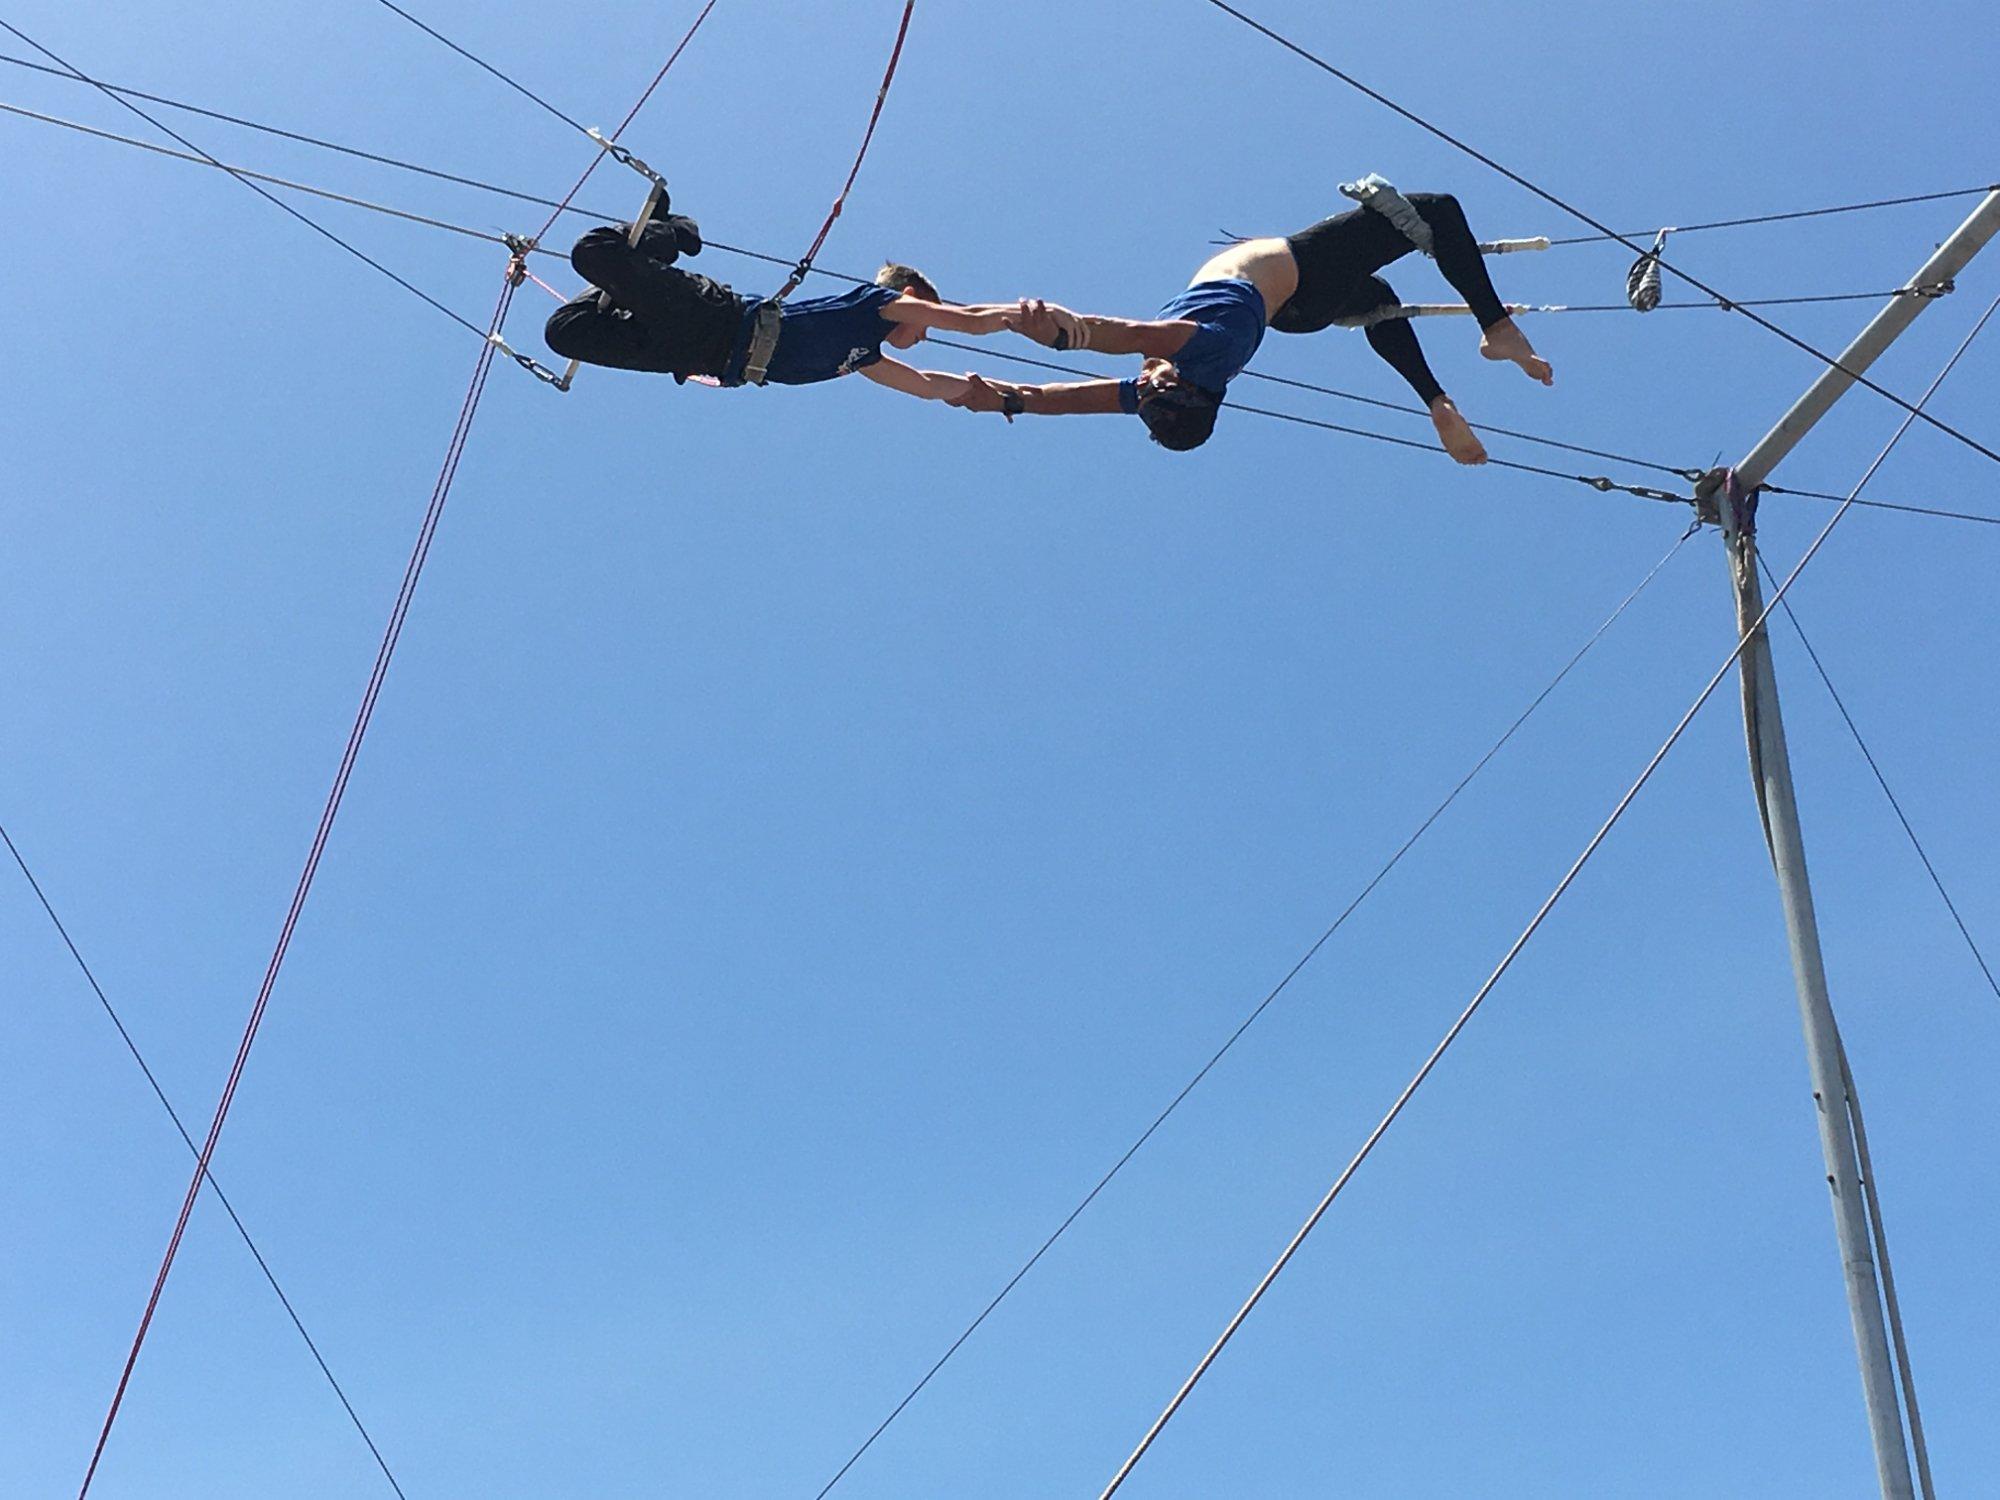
column 808, row 833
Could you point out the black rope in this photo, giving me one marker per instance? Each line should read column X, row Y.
column 1721, row 304
column 1883, row 782
column 522, row 89
column 1263, row 1005
column 310, row 223
column 213, row 1186
column 1596, row 482
column 1918, row 510
column 1689, row 474
column 473, row 182
column 288, row 135
column 1799, row 213
column 1576, row 213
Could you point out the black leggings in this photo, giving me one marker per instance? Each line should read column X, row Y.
column 1338, row 259
column 661, row 318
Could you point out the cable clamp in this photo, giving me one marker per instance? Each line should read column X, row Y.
column 1932, row 290
column 517, row 261
column 619, row 154
column 792, row 282
column 534, row 367
column 1707, row 490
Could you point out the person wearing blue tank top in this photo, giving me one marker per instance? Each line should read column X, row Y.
column 642, row 312
column 1202, row 339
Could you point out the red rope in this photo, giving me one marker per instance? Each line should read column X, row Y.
column 881, row 97
column 397, row 615
column 630, row 116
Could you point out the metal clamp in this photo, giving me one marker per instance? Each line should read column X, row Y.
column 534, row 367
column 1707, row 490
column 620, row 154
column 1605, row 485
column 520, row 247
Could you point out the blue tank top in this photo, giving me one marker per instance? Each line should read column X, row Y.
column 822, row 337
column 1229, row 325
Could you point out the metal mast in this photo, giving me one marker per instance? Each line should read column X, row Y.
column 1771, row 775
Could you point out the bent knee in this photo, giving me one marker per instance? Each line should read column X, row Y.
column 599, row 250
column 564, row 329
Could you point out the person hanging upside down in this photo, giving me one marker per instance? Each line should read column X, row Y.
column 1301, row 284
column 664, row 319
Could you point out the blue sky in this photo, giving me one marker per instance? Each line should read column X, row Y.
column 807, row 834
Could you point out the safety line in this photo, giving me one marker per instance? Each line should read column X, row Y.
column 293, row 135
column 1728, row 304
column 1529, row 931
column 1276, row 990
column 384, row 654
column 1689, row 474
column 479, row 62
column 805, row 265
column 604, row 146
column 1895, row 805
column 245, row 172
column 1797, row 213
column 1596, row 483
column 390, row 161
column 254, row 187
column 562, row 206
column 1921, row 510
column 499, row 239
column 215, row 1187
column 1576, row 213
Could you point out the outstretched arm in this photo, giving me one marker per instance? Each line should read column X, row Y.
column 1056, row 327
column 926, row 385
column 977, row 317
column 1070, row 398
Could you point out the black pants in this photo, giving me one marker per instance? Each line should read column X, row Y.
column 661, row 318
column 1338, row 259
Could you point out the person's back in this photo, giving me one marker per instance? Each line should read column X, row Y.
column 820, row 338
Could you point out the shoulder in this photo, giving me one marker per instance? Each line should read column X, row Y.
column 870, row 298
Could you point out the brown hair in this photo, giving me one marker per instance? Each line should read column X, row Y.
column 907, row 279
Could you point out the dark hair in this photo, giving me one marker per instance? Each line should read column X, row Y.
column 904, row 278
column 1181, row 416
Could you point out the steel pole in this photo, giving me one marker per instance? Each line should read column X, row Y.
column 1883, row 330
column 1771, row 775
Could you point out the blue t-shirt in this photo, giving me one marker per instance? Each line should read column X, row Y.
column 822, row 337
column 1229, row 325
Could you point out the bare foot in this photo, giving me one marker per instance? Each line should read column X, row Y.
column 1505, row 341
column 1459, row 440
